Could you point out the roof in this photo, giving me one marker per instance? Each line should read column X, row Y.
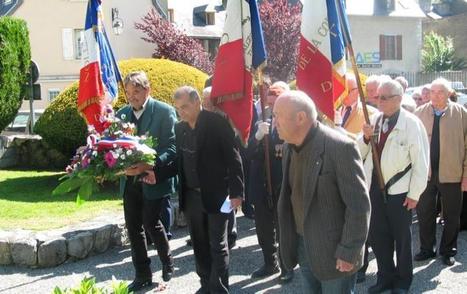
column 402, row 8
column 190, row 16
column 8, row 9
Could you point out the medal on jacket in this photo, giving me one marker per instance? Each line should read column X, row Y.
column 278, row 150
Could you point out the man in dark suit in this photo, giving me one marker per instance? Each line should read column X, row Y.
column 142, row 202
column 324, row 206
column 210, row 173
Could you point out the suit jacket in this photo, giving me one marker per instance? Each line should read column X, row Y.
column 336, row 204
column 354, row 123
column 218, row 162
column 158, row 121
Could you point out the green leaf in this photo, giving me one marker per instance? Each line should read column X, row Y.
column 85, row 191
column 67, row 186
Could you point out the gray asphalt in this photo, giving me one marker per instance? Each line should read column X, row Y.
column 430, row 277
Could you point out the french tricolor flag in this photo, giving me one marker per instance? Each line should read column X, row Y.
column 321, row 60
column 99, row 76
column 241, row 51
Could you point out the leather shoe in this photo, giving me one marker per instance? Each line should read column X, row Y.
column 399, row 291
column 167, row 272
column 361, row 277
column 139, row 284
column 448, row 260
column 379, row 288
column 232, row 244
column 424, row 255
column 265, row 271
column 286, row 276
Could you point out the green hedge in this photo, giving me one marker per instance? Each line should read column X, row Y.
column 65, row 130
column 15, row 56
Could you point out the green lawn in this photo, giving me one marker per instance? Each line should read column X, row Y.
column 26, row 202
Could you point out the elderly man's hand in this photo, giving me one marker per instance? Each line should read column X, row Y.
column 137, row 169
column 368, row 131
column 150, row 177
column 235, row 202
column 343, row 266
column 410, row 203
column 464, row 184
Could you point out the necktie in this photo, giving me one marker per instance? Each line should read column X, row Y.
column 348, row 109
column 385, row 125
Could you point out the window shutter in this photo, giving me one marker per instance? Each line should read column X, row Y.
column 399, row 47
column 67, row 42
column 382, row 47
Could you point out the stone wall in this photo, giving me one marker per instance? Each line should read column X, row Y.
column 29, row 151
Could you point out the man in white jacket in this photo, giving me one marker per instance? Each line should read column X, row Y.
column 402, row 145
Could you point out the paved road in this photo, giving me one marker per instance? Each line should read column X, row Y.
column 430, row 277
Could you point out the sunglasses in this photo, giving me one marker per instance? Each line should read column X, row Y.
column 384, row 98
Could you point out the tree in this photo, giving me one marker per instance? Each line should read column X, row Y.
column 438, row 54
column 281, row 26
column 172, row 43
column 15, row 56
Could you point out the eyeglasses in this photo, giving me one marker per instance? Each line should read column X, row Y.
column 384, row 98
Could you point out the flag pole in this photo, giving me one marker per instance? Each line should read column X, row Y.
column 267, row 162
column 351, row 53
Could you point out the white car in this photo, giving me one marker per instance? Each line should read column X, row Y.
column 21, row 121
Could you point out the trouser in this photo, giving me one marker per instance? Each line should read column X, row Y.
column 143, row 215
column 365, row 259
column 232, row 228
column 451, row 203
column 166, row 216
column 312, row 285
column 267, row 230
column 463, row 225
column 208, row 232
column 390, row 224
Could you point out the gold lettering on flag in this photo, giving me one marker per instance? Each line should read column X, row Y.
column 326, row 86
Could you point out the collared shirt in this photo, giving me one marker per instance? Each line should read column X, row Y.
column 139, row 113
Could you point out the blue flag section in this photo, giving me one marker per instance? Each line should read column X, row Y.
column 110, row 73
column 259, row 49
column 343, row 20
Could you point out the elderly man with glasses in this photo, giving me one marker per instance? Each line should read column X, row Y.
column 402, row 146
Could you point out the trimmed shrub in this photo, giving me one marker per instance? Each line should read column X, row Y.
column 64, row 129
column 15, row 56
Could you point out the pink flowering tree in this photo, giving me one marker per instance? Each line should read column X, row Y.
column 172, row 43
column 281, row 25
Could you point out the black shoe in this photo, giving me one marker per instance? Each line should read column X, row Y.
column 286, row 277
column 448, row 260
column 399, row 291
column 167, row 272
column 139, row 284
column 232, row 244
column 379, row 288
column 424, row 255
column 265, row 271
column 361, row 277
column 189, row 243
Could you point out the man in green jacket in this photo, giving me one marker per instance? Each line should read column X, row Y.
column 142, row 202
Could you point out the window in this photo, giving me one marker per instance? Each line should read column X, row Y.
column 210, row 18
column 170, row 15
column 390, row 47
column 53, row 93
column 78, row 42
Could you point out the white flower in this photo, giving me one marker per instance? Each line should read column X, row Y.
column 122, row 156
column 114, row 154
column 94, row 153
column 123, row 116
column 129, row 152
column 114, row 145
column 119, row 151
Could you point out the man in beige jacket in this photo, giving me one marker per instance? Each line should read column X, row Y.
column 446, row 125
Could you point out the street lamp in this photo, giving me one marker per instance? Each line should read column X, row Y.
column 117, row 22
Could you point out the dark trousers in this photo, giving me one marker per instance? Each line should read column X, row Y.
column 451, row 203
column 267, row 229
column 463, row 225
column 390, row 224
column 365, row 259
column 143, row 215
column 232, row 228
column 166, row 216
column 208, row 232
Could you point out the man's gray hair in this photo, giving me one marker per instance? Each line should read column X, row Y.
column 302, row 102
column 281, row 84
column 444, row 83
column 137, row 78
column 394, row 87
column 207, row 92
column 373, row 79
column 403, row 81
column 187, row 90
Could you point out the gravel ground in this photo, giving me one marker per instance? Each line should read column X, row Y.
column 430, row 277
